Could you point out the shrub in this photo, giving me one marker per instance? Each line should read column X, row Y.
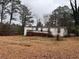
column 6, row 29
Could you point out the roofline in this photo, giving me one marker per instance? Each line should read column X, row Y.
column 46, row 27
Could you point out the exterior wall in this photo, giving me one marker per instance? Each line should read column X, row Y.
column 63, row 31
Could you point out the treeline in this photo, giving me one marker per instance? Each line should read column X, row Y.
column 63, row 16
column 7, row 10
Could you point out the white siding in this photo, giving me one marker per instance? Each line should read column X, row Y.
column 53, row 31
column 63, row 31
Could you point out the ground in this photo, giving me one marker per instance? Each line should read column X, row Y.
column 20, row 47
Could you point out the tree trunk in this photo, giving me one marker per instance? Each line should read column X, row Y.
column 58, row 36
column 49, row 30
column 2, row 13
column 23, row 25
column 11, row 15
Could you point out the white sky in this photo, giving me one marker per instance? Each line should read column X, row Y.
column 42, row 7
column 39, row 8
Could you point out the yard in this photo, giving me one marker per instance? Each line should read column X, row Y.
column 20, row 47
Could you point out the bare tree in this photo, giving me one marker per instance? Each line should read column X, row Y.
column 39, row 25
column 14, row 4
column 25, row 16
column 3, row 5
column 75, row 15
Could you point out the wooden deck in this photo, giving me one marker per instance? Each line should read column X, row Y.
column 37, row 33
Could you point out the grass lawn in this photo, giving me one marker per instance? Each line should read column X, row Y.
column 20, row 47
